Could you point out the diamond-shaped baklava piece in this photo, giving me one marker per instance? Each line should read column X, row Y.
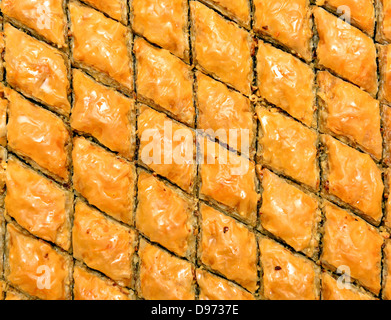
column 39, row 136
column 37, row 70
column 35, row 267
column 164, row 81
column 385, row 73
column 384, row 21
column 221, row 48
column 47, row 18
column 163, row 22
column 104, row 114
column 238, row 10
column 332, row 290
column 287, row 83
column 360, row 13
column 286, row 276
column 105, row 180
column 100, row 45
column 213, row 287
column 167, row 147
column 164, row 276
column 352, row 177
column 89, row 285
column 225, row 114
column 228, row 247
column 228, row 180
column 349, row 113
column 351, row 244
column 116, row 9
column 346, row 51
column 288, row 147
column 165, row 215
column 103, row 244
column 286, row 21
column 289, row 213
column 38, row 204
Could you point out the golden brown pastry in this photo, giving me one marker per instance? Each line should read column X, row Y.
column 349, row 241
column 331, row 291
column 165, row 215
column 38, row 136
column 286, row 82
column 228, row 247
column 287, row 276
column 286, row 21
column 228, row 180
column 37, row 70
column 384, row 21
column 46, row 17
column 225, row 114
column 105, row 180
column 385, row 73
column 354, row 178
column 221, row 48
column 215, row 288
column 349, row 113
column 289, row 213
column 100, row 45
column 89, row 286
column 288, row 147
column 163, row 276
column 37, row 204
column 176, row 161
column 386, row 293
column 361, row 12
column 346, row 51
column 103, row 113
column 163, row 22
column 103, row 244
column 386, row 123
column 35, row 267
column 164, row 81
column 116, row 9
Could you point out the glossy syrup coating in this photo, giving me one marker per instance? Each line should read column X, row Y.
column 105, row 180
column 349, row 241
column 164, row 276
column 103, row 113
column 103, row 244
column 289, row 213
column 116, row 9
column 384, row 22
column 331, row 290
column 163, row 22
column 354, row 178
column 226, row 112
column 238, row 10
column 228, row 247
column 38, row 135
column 164, row 81
column 101, row 44
column 164, row 215
column 286, row 21
column 38, row 204
column 213, row 287
column 286, row 276
column 31, row 263
column 37, row 70
column 229, row 180
column 349, row 113
column 346, row 51
column 286, row 82
column 176, row 163
column 361, row 12
column 288, row 147
column 46, row 17
column 89, row 286
column 221, row 48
